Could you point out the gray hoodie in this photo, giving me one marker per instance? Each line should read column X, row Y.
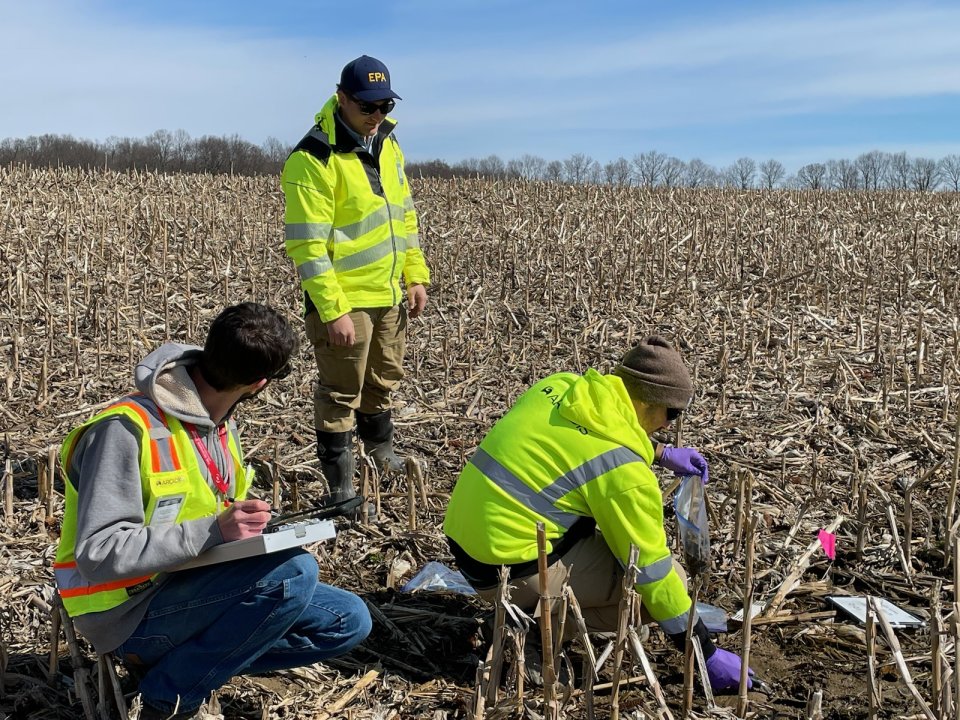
column 112, row 540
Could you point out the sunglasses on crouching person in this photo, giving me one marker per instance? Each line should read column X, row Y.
column 673, row 414
column 369, row 108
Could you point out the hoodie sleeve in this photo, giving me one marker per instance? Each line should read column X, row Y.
column 112, row 540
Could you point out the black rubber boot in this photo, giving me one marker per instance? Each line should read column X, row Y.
column 376, row 432
column 335, row 451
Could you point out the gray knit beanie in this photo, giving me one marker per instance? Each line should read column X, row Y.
column 654, row 373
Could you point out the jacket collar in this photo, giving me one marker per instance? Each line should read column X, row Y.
column 340, row 139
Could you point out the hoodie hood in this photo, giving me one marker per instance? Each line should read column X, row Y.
column 162, row 376
column 601, row 404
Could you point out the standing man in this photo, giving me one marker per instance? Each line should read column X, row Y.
column 351, row 231
column 158, row 478
column 575, row 453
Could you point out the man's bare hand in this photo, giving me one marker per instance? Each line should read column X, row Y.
column 341, row 331
column 417, row 298
column 243, row 519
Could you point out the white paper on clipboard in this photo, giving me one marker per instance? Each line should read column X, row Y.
column 856, row 607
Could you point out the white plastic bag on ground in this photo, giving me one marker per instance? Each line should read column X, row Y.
column 437, row 576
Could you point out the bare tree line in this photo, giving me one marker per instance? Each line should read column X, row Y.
column 178, row 152
column 160, row 151
column 874, row 170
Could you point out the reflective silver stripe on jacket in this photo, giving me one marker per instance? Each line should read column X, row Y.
column 314, row 267
column 413, row 240
column 365, row 257
column 677, row 624
column 359, row 229
column 306, row 231
column 543, row 502
column 590, row 470
column 519, row 490
column 397, row 211
column 654, row 571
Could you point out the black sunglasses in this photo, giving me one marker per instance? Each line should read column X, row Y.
column 369, row 108
column 673, row 414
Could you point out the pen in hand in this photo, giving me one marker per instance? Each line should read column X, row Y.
column 243, row 519
column 231, row 500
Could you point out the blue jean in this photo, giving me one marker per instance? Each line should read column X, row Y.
column 247, row 616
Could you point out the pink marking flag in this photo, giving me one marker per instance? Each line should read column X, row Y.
column 829, row 543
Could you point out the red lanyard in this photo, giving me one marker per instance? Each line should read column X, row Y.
column 222, row 483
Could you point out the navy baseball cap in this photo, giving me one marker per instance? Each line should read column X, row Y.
column 367, row 78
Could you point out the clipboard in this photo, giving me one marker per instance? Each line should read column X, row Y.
column 281, row 533
column 284, row 536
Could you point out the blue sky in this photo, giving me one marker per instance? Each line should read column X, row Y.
column 800, row 82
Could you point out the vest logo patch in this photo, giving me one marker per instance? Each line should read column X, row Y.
column 164, row 480
column 138, row 588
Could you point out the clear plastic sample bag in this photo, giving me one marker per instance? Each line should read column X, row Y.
column 690, row 505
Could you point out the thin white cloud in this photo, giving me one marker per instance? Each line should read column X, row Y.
column 74, row 72
column 71, row 67
column 814, row 55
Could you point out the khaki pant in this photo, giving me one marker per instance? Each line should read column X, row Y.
column 362, row 376
column 596, row 578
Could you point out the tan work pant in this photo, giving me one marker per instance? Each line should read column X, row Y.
column 594, row 575
column 362, row 376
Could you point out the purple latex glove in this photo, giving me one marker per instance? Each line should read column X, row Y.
column 684, row 461
column 723, row 667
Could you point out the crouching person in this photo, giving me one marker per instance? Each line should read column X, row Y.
column 147, row 487
column 575, row 453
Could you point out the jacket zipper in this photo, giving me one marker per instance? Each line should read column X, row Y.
column 393, row 238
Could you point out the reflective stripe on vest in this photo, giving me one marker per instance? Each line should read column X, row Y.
column 71, row 584
column 163, row 458
column 159, row 458
column 163, row 453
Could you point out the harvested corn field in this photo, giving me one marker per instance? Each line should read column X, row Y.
column 821, row 327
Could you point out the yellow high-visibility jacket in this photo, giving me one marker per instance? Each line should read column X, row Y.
column 168, row 469
column 570, row 447
column 351, row 227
